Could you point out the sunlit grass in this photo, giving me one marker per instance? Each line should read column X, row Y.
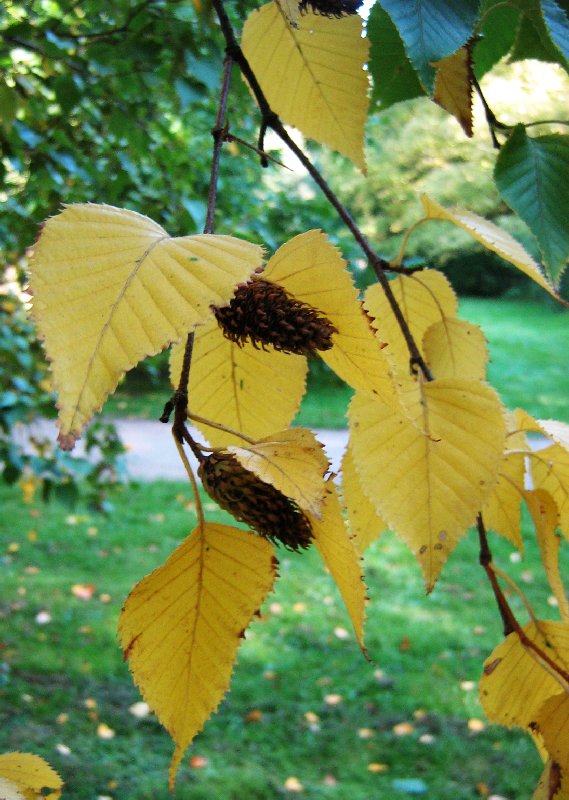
column 304, row 702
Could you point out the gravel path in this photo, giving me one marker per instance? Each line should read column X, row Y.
column 152, row 454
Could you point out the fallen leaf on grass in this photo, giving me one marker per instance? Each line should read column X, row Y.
column 104, row 732
column 292, row 784
column 83, row 591
column 140, row 709
column 403, row 729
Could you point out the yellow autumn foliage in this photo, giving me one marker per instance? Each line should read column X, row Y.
column 111, row 287
column 312, row 74
column 181, row 625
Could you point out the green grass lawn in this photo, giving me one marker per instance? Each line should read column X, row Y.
column 304, row 702
column 528, row 343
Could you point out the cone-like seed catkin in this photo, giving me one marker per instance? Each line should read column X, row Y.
column 331, row 8
column 264, row 313
column 260, row 505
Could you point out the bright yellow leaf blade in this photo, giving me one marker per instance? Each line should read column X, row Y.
column 334, row 543
column 181, row 625
column 365, row 523
column 493, row 238
column 424, row 298
column 456, row 349
column 26, row 775
column 248, row 390
column 545, row 517
column 293, row 461
column 514, row 685
column 314, row 272
column 550, row 472
column 501, row 512
column 557, row 431
column 111, row 287
column 428, row 477
column 312, row 76
column 453, row 86
column 552, row 722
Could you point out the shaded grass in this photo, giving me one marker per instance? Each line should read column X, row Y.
column 279, row 719
column 528, row 342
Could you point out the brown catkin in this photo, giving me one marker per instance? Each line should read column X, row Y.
column 331, row 8
column 260, row 505
column 265, row 314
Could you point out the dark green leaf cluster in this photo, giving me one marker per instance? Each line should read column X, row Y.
column 25, row 401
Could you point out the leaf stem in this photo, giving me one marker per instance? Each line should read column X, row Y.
column 220, row 427
column 192, row 477
column 493, row 122
column 511, row 625
column 271, row 120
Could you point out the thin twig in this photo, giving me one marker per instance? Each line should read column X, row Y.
column 192, row 477
column 493, row 123
column 271, row 120
column 220, row 427
column 511, row 625
column 230, row 137
column 218, row 134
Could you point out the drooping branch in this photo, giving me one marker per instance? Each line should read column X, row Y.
column 271, row 120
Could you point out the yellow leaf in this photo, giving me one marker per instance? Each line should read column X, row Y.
column 290, row 10
column 292, row 461
column 111, row 287
column 550, row 466
column 552, row 722
column 558, row 432
column 514, row 685
column 333, row 542
column 492, row 237
column 456, row 349
column 545, row 518
column 453, row 86
column 424, row 299
column 550, row 471
column 23, row 776
column 312, row 76
column 313, row 271
column 553, row 785
column 429, row 476
column 181, row 625
column 248, row 390
column 365, row 523
column 501, row 512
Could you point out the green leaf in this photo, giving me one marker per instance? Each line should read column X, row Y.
column 431, row 30
column 498, row 34
column 532, row 175
column 394, row 78
column 557, row 23
column 535, row 38
column 8, row 104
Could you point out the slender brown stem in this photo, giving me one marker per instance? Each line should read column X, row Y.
column 179, row 401
column 493, row 123
column 511, row 625
column 271, row 120
column 218, row 134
